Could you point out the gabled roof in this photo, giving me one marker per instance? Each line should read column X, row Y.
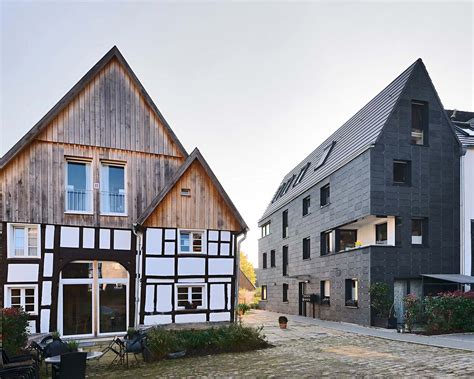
column 113, row 53
column 349, row 141
column 194, row 156
column 464, row 125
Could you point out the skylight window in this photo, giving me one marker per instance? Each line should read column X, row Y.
column 325, row 154
column 289, row 184
column 300, row 176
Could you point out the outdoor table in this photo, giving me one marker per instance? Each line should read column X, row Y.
column 90, row 355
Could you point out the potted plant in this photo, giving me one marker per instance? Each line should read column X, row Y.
column 72, row 346
column 283, row 321
column 381, row 303
column 243, row 308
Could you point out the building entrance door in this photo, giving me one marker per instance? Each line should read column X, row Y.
column 302, row 304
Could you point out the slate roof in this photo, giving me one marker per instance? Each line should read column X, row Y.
column 351, row 139
column 464, row 125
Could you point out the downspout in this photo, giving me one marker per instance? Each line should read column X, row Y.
column 237, row 275
column 138, row 278
column 462, row 268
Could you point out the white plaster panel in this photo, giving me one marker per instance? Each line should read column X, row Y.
column 49, row 237
column 153, row 280
column 186, row 318
column 229, row 296
column 213, row 248
column 48, row 265
column 122, row 239
column 191, row 280
column 215, row 317
column 46, row 293
column 154, row 241
column 150, row 299
column 225, row 236
column 219, row 280
column 159, row 266
column 157, row 319
column 221, row 266
column 69, row 237
column 169, row 248
column 31, row 327
column 191, row 266
column 170, row 234
column 44, row 325
column 225, row 249
column 217, row 296
column 163, row 299
column 104, row 239
column 23, row 272
column 213, row 235
column 88, row 238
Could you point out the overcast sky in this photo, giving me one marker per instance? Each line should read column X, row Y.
column 256, row 86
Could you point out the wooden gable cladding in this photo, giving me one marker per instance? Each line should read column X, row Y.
column 205, row 208
column 111, row 111
column 33, row 183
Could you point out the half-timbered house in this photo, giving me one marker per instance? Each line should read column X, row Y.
column 107, row 222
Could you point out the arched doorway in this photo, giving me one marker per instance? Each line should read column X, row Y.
column 93, row 299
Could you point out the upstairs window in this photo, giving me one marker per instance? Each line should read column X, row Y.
column 112, row 193
column 78, row 187
column 327, row 242
column 285, row 260
column 284, row 220
column 24, row 241
column 346, row 239
column 325, row 195
column 306, row 248
column 306, row 205
column 288, row 185
column 418, row 231
column 325, row 292
column 264, row 293
column 285, row 292
column 301, row 174
column 191, row 241
column 265, row 229
column 325, row 155
column 401, row 172
column 264, row 260
column 272, row 258
column 352, row 292
column 381, row 234
column 419, row 122
column 186, row 192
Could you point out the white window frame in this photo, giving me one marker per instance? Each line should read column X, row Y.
column 203, row 241
column 103, row 164
column 86, row 161
column 189, row 285
column 11, row 241
column 22, row 287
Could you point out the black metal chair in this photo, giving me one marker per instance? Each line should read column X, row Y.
column 117, row 347
column 72, row 366
column 20, row 366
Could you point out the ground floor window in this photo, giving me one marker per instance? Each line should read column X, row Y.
column 352, row 292
column 325, row 292
column 264, row 293
column 285, row 292
column 190, row 296
column 24, row 297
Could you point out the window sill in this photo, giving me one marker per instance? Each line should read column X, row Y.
column 307, row 214
column 419, row 145
column 352, row 307
column 79, row 213
column 114, row 214
column 23, row 257
column 307, row 259
column 400, row 184
column 325, row 205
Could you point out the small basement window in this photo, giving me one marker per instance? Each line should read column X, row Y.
column 352, row 292
column 185, row 191
column 190, row 296
column 401, row 172
column 191, row 241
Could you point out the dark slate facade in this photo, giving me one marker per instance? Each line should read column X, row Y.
column 362, row 188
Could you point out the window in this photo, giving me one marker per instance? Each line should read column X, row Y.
column 306, row 205
column 191, row 241
column 381, row 234
column 288, row 185
column 265, row 229
column 325, row 155
column 285, row 292
column 272, row 258
column 285, row 260
column 327, row 242
column 112, row 194
column 78, row 187
column 22, row 297
column 186, row 192
column 325, row 292
column 401, row 172
column 325, row 193
column 300, row 176
column 352, row 292
column 264, row 260
column 264, row 293
column 419, row 123
column 418, row 230
column 24, row 241
column 346, row 239
column 398, row 231
column 285, row 224
column 306, row 248
column 190, row 297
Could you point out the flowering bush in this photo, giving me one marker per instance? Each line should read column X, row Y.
column 14, row 324
column 412, row 310
column 449, row 312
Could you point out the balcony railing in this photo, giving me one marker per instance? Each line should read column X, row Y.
column 113, row 202
column 78, row 200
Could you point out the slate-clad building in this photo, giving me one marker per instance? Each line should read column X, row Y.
column 377, row 201
column 107, row 222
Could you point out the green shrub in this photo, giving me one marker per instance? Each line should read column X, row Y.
column 72, row 346
column 449, row 312
column 243, row 308
column 224, row 339
column 14, row 330
column 381, row 299
column 412, row 310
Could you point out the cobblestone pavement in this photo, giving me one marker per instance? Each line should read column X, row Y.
column 305, row 350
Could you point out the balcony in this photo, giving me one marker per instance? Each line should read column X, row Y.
column 113, row 203
column 78, row 201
